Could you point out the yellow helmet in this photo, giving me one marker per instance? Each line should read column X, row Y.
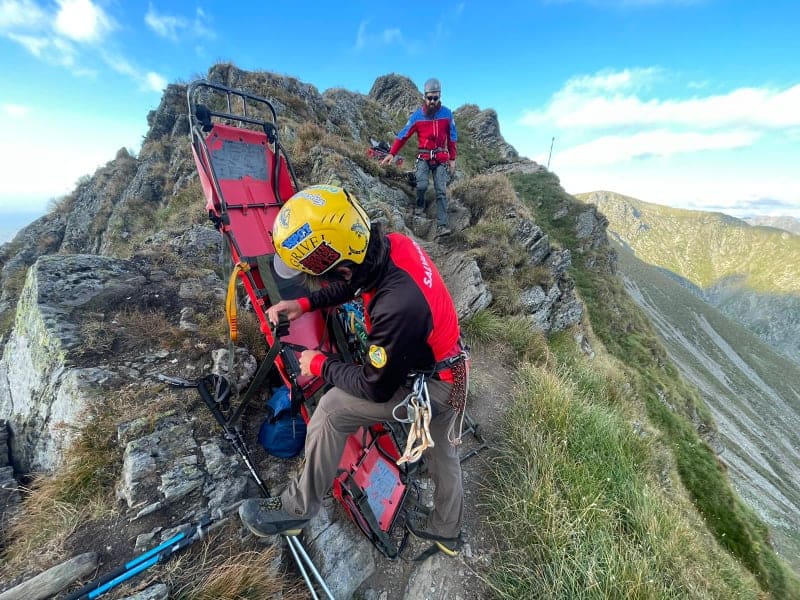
column 318, row 228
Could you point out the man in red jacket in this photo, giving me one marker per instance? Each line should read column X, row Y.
column 436, row 155
column 412, row 326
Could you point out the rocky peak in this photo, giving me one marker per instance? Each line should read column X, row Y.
column 486, row 130
column 396, row 93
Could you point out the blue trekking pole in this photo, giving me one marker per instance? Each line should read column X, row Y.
column 188, row 535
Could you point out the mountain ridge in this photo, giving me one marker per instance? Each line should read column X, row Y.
column 751, row 273
column 610, row 457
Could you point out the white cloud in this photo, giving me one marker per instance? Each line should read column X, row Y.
column 608, row 100
column 392, row 36
column 155, row 82
column 34, row 44
column 16, row 14
column 16, row 110
column 613, row 149
column 82, row 21
column 173, row 27
column 150, row 80
column 166, row 26
column 738, row 194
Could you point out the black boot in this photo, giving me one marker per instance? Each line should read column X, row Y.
column 265, row 516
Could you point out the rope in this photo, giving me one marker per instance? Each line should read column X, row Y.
column 458, row 399
column 230, row 301
column 418, row 416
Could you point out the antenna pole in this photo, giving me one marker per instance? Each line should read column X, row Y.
column 552, row 141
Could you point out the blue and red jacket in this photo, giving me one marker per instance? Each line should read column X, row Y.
column 411, row 324
column 436, row 135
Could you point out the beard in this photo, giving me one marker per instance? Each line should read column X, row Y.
column 430, row 109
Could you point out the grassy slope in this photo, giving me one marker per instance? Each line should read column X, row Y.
column 753, row 393
column 704, row 247
column 588, row 489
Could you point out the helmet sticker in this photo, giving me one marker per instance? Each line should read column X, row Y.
column 326, row 188
column 298, row 236
column 377, row 356
column 284, row 216
column 315, row 199
column 321, row 258
column 363, row 236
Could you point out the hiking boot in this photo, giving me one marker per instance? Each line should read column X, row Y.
column 419, row 211
column 443, row 230
column 265, row 516
column 417, row 524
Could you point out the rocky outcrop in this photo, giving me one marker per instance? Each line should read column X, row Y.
column 397, row 94
column 44, row 394
column 485, row 130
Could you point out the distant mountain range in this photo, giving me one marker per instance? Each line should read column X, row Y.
column 789, row 224
column 750, row 273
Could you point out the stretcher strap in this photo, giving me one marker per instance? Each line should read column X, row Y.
column 230, row 301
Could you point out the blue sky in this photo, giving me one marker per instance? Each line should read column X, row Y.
column 690, row 103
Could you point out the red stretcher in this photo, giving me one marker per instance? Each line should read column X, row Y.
column 246, row 177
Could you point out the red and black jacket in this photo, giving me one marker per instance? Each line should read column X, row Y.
column 411, row 323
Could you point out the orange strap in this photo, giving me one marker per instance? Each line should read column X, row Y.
column 230, row 301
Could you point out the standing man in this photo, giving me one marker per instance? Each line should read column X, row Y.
column 412, row 326
column 437, row 137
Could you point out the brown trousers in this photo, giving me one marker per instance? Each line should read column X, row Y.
column 340, row 414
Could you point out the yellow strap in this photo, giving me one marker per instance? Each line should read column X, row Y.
column 230, row 301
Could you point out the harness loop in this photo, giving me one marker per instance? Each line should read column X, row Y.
column 418, row 416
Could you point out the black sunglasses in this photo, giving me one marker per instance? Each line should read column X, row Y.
column 431, row 98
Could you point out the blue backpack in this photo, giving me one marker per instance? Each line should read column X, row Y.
column 282, row 434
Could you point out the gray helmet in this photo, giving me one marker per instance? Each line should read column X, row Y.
column 433, row 85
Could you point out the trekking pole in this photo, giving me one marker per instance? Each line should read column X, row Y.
column 302, row 559
column 187, row 536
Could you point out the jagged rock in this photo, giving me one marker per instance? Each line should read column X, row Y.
column 437, row 578
column 162, row 465
column 341, row 555
column 157, row 591
column 170, row 119
column 10, row 497
column 53, row 580
column 293, row 99
column 463, row 278
column 244, row 364
column 486, row 130
column 533, row 239
column 523, row 166
column 396, row 93
column 346, row 113
column 93, row 202
column 41, row 393
column 374, row 195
